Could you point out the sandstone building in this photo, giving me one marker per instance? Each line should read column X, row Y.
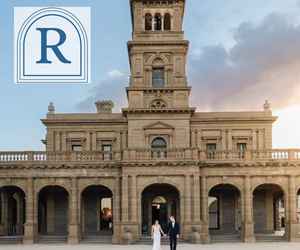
column 105, row 177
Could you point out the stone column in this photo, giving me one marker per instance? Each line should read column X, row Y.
column 223, row 140
column 196, row 214
column 260, row 140
column 128, row 230
column 133, row 200
column 30, row 227
column 193, row 138
column 187, row 196
column 124, row 140
column 254, row 139
column 88, row 141
column 248, row 227
column 204, row 211
column 116, row 211
column 73, row 237
column 3, row 213
column 125, row 215
column 64, row 141
column 199, row 139
column 134, row 208
column 229, row 138
column 292, row 224
column 187, row 207
column 57, row 141
column 196, row 199
column 94, row 141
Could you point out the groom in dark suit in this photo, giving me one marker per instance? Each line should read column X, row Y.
column 173, row 232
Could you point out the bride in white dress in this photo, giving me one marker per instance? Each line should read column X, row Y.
column 156, row 235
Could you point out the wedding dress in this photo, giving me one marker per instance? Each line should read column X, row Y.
column 156, row 238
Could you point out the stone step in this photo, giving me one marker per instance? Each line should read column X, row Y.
column 97, row 239
column 7, row 240
column 225, row 238
column 146, row 240
column 52, row 239
column 270, row 238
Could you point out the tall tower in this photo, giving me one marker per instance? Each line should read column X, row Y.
column 158, row 94
column 157, row 55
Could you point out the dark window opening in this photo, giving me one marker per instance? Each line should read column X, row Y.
column 76, row 148
column 158, row 77
column 148, row 22
column 107, row 152
column 167, row 22
column 211, row 149
column 157, row 22
column 242, row 147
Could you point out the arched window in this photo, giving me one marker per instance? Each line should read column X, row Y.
column 148, row 22
column 167, row 22
column 158, row 77
column 157, row 22
column 159, row 148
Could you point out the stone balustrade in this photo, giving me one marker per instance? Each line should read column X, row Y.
column 148, row 155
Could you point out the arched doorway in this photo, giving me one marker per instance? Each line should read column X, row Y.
column 159, row 202
column 224, row 205
column 12, row 211
column 53, row 206
column 96, row 211
column 269, row 211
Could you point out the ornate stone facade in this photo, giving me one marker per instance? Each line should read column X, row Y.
column 107, row 176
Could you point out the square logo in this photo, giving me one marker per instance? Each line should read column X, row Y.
column 52, row 44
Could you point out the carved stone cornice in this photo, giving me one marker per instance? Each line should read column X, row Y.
column 165, row 110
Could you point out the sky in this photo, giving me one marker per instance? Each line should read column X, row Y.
column 241, row 53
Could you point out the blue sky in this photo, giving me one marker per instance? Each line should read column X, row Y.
column 257, row 39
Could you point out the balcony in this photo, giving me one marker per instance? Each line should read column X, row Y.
column 150, row 155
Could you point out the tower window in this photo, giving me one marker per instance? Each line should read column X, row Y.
column 158, row 77
column 148, row 22
column 167, row 22
column 159, row 148
column 157, row 22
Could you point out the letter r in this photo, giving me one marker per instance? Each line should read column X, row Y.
column 45, row 46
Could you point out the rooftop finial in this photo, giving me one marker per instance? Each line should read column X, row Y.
column 267, row 106
column 51, row 108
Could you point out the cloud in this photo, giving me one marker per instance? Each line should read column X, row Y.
column 263, row 64
column 112, row 88
column 115, row 73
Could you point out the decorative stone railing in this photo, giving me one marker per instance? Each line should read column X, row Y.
column 149, row 155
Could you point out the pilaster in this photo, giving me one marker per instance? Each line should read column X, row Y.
column 30, row 227
column 74, row 236
column 204, row 211
column 248, row 225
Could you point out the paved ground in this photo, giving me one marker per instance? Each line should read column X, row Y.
column 236, row 246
